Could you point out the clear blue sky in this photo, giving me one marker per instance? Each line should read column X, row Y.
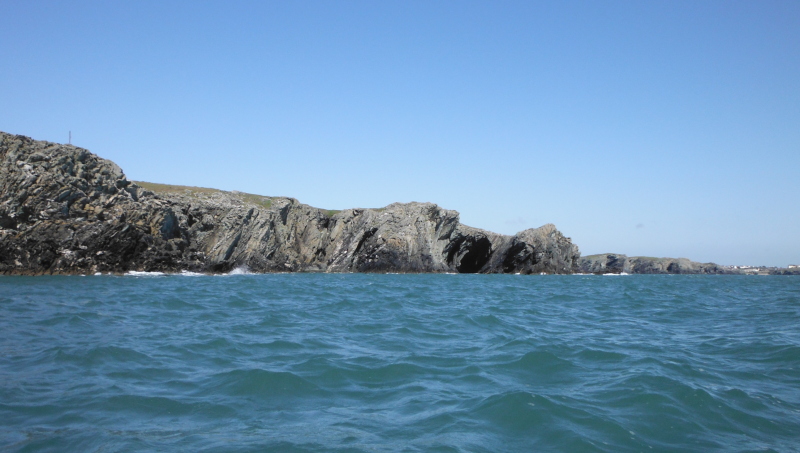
column 661, row 128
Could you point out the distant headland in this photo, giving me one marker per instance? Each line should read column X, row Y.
column 64, row 210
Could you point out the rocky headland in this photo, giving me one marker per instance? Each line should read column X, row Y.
column 613, row 263
column 64, row 210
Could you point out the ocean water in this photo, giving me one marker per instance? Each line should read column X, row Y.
column 405, row 363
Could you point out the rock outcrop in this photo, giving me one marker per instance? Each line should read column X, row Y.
column 611, row 263
column 784, row 271
column 65, row 210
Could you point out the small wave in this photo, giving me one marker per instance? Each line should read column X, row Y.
column 101, row 356
column 261, row 384
column 386, row 374
column 485, row 321
column 600, row 356
column 155, row 406
column 541, row 363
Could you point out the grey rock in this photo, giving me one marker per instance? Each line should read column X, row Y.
column 613, row 263
column 65, row 210
column 784, row 271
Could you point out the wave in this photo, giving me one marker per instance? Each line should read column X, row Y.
column 240, row 270
column 260, row 384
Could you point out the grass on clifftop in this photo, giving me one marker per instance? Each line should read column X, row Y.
column 599, row 255
column 603, row 255
column 170, row 188
column 255, row 199
column 260, row 200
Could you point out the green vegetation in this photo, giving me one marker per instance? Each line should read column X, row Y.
column 170, row 188
column 259, row 200
column 265, row 202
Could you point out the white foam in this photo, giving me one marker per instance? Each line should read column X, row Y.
column 144, row 274
column 191, row 274
column 241, row 270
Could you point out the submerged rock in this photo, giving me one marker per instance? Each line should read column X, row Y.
column 65, row 210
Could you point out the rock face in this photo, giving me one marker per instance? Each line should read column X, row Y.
column 65, row 210
column 616, row 263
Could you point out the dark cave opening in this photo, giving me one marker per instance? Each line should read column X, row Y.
column 478, row 253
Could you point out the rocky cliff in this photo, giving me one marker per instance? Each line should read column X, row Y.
column 65, row 210
column 611, row 263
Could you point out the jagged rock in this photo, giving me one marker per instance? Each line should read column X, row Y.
column 65, row 210
column 611, row 263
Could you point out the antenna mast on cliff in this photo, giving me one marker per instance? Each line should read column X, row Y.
column 70, row 137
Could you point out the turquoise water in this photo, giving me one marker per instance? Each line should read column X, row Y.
column 429, row 363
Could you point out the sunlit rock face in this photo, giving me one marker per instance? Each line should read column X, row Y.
column 65, row 210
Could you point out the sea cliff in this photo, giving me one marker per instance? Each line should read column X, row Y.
column 615, row 263
column 64, row 210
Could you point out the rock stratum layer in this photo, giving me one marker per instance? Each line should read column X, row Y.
column 63, row 210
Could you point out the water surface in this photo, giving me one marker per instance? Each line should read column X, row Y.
column 361, row 363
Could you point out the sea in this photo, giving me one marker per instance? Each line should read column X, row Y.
column 399, row 363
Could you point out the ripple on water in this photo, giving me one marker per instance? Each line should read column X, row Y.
column 399, row 363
